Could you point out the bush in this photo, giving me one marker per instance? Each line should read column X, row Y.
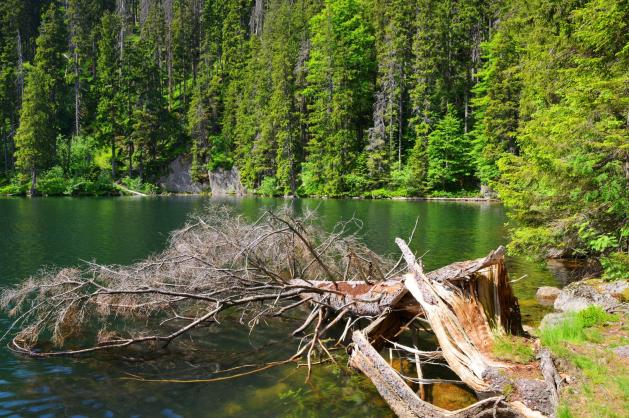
column 11, row 189
column 53, row 182
column 310, row 181
column 219, row 155
column 16, row 186
column 532, row 240
column 615, row 266
column 356, row 184
column 136, row 184
column 269, row 187
column 100, row 186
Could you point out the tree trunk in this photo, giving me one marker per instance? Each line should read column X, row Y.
column 113, row 158
column 33, row 189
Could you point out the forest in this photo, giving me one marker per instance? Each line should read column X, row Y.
column 528, row 99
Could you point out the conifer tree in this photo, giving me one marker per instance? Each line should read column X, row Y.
column 341, row 82
column 448, row 154
column 35, row 139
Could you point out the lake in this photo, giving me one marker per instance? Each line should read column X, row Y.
column 35, row 233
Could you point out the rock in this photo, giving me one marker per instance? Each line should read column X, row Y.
column 178, row 179
column 553, row 253
column 487, row 192
column 622, row 351
column 226, row 182
column 546, row 295
column 552, row 319
column 618, row 289
column 535, row 395
column 578, row 296
column 528, row 329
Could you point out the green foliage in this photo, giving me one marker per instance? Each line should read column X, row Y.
column 219, row 154
column 269, row 187
column 53, row 183
column 136, row 184
column 449, row 162
column 335, row 97
column 567, row 177
column 335, row 113
column 615, row 266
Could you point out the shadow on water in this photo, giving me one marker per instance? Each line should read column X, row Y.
column 61, row 232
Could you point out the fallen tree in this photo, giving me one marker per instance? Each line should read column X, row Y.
column 278, row 264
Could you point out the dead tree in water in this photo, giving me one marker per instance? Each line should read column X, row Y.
column 278, row 264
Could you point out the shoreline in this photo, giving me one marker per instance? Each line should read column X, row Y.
column 167, row 194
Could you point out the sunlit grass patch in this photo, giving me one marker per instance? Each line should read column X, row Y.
column 575, row 328
column 512, row 348
column 601, row 382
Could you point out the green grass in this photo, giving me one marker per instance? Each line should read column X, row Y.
column 512, row 348
column 584, row 339
column 575, row 328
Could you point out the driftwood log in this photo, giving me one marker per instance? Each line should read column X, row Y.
column 279, row 264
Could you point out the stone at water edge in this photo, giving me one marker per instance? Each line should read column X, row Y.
column 579, row 295
column 552, row 319
column 546, row 295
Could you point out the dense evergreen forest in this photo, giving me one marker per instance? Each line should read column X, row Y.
column 331, row 98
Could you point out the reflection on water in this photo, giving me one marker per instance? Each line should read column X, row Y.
column 61, row 232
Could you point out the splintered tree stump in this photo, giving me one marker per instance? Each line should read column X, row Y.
column 402, row 399
column 466, row 304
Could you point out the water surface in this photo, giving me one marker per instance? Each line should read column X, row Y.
column 35, row 233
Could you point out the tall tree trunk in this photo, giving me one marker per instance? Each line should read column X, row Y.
column 130, row 152
column 113, row 158
column 141, row 165
column 77, row 94
column 5, row 148
column 399, row 128
column 20, row 68
column 33, row 189
column 168, row 14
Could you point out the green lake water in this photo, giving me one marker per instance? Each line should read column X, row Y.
column 35, row 233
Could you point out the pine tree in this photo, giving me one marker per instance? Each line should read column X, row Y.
column 341, row 81
column 35, row 139
column 109, row 110
column 567, row 187
column 393, row 44
column 449, row 162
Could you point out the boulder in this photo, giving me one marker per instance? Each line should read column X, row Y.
column 552, row 319
column 226, row 182
column 546, row 295
column 178, row 179
column 578, row 296
column 487, row 192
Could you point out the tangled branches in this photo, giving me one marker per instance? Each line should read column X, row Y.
column 218, row 262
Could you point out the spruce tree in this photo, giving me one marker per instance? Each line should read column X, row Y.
column 340, row 87
column 35, row 139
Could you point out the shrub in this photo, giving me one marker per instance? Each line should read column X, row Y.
column 615, row 266
column 136, row 184
column 269, row 187
column 356, row 183
column 53, row 182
